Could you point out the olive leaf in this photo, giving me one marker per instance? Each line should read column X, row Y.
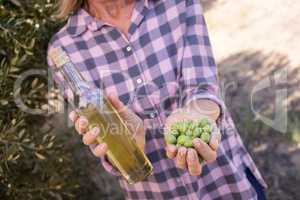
column 16, row 2
column 40, row 156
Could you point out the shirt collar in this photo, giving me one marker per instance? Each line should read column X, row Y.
column 82, row 20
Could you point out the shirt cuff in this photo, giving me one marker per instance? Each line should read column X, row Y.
column 201, row 94
column 106, row 163
column 109, row 167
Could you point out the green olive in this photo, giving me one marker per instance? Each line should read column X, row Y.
column 203, row 122
column 184, row 126
column 178, row 145
column 189, row 123
column 205, row 137
column 188, row 142
column 170, row 139
column 207, row 128
column 197, row 132
column 175, row 133
column 193, row 126
column 181, row 139
column 175, row 126
column 180, row 129
column 189, row 132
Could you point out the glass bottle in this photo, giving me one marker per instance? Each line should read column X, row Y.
column 123, row 150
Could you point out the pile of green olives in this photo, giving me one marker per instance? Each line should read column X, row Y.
column 182, row 133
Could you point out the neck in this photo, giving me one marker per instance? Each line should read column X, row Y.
column 102, row 9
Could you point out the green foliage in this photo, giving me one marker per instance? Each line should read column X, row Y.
column 34, row 164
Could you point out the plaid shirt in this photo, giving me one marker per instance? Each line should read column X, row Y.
column 165, row 61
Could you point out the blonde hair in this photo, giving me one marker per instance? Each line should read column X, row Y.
column 65, row 7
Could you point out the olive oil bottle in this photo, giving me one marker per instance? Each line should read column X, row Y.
column 123, row 151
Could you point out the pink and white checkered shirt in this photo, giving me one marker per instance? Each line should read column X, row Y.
column 165, row 61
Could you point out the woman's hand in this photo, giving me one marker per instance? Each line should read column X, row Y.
column 188, row 157
column 134, row 123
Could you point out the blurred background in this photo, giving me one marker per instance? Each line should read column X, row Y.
column 253, row 41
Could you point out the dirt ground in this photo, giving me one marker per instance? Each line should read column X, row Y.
column 256, row 45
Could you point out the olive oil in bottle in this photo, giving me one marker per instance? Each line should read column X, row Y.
column 123, row 151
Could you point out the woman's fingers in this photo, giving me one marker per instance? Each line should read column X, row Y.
column 81, row 125
column 115, row 101
column 181, row 157
column 193, row 163
column 171, row 151
column 100, row 150
column 73, row 116
column 91, row 136
column 215, row 139
column 185, row 158
column 204, row 150
column 130, row 117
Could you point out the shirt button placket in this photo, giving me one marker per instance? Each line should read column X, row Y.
column 128, row 48
column 139, row 81
column 152, row 115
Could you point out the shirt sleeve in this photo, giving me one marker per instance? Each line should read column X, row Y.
column 68, row 95
column 198, row 77
column 107, row 165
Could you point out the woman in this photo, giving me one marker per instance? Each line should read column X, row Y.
column 155, row 57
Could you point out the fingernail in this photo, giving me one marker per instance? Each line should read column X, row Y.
column 217, row 142
column 102, row 146
column 196, row 141
column 194, row 156
column 72, row 116
column 173, row 148
column 95, row 131
column 83, row 122
column 191, row 156
column 182, row 151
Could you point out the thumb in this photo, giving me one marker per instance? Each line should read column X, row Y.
column 134, row 123
column 117, row 104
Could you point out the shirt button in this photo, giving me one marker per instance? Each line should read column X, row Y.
column 152, row 115
column 139, row 81
column 128, row 48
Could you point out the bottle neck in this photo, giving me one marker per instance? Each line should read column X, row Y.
column 82, row 91
column 74, row 78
